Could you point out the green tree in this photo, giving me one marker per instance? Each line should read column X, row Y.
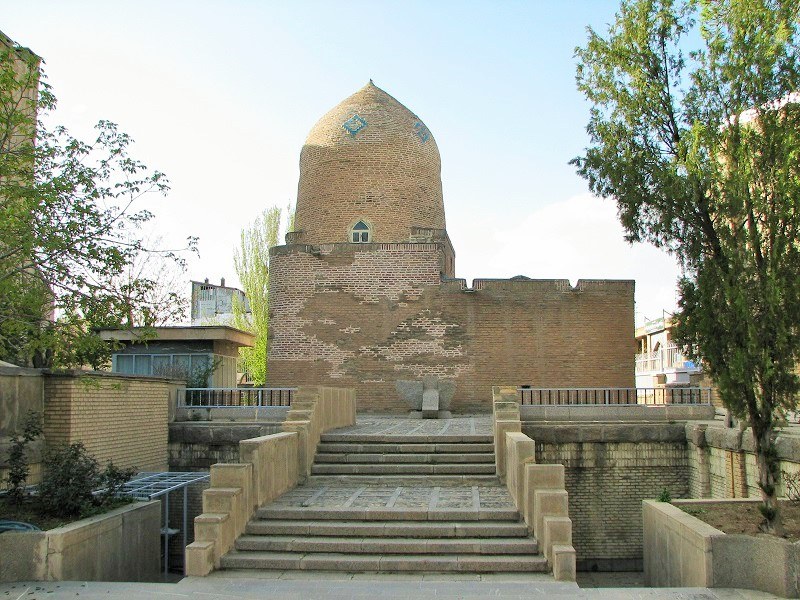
column 69, row 227
column 251, row 260
column 695, row 131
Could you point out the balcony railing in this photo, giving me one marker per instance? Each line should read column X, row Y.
column 613, row 396
column 234, row 397
column 668, row 357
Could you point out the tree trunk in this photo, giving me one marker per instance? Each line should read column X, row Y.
column 767, row 463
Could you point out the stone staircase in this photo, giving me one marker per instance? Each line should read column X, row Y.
column 419, row 456
column 392, row 504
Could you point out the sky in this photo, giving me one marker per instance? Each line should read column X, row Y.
column 221, row 95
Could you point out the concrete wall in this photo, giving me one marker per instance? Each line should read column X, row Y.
column 683, row 551
column 360, row 317
column 117, row 417
column 121, row 545
column 21, row 392
column 609, row 470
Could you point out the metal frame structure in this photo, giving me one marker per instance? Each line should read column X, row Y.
column 151, row 485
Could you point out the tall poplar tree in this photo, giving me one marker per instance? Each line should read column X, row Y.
column 251, row 260
column 695, row 132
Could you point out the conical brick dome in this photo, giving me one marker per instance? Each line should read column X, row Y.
column 369, row 163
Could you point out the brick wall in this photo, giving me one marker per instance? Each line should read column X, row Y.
column 368, row 316
column 609, row 470
column 117, row 418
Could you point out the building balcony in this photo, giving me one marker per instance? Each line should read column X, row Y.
column 667, row 359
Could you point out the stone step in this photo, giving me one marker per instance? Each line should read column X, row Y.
column 394, row 448
column 404, row 529
column 372, row 438
column 364, row 458
column 385, row 545
column 386, row 514
column 385, row 563
column 406, row 479
column 403, row 469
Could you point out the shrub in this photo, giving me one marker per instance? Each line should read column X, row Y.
column 18, row 468
column 665, row 496
column 71, row 476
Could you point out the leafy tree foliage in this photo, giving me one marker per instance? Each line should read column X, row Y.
column 695, row 131
column 69, row 228
column 251, row 260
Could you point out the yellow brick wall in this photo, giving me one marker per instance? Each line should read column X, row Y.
column 123, row 419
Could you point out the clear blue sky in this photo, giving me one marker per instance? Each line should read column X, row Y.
column 221, row 95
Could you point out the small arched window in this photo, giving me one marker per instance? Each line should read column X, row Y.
column 360, row 233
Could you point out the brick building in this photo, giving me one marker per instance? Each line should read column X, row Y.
column 364, row 292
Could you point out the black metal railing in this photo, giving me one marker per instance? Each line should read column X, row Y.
column 613, row 396
column 234, row 397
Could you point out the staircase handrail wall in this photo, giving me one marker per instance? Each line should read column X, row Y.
column 269, row 466
column 538, row 491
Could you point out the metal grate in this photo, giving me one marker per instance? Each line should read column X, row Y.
column 151, row 485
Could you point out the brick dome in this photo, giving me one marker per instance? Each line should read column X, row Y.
column 368, row 165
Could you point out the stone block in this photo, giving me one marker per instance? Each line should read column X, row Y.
column 430, row 404
column 199, row 559
column 539, row 477
column 548, row 503
column 557, row 531
column 500, row 429
column 410, row 392
column 564, row 563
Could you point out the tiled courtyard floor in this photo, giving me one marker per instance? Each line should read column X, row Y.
column 400, row 426
column 412, row 496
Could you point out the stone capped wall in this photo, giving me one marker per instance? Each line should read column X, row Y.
column 609, row 470
column 367, row 316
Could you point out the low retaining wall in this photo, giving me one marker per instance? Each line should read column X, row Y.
column 250, row 414
column 682, row 551
column 120, row 545
column 616, row 414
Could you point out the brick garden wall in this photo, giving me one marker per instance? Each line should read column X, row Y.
column 367, row 316
column 117, row 417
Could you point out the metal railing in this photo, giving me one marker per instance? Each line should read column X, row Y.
column 670, row 356
column 234, row 397
column 613, row 396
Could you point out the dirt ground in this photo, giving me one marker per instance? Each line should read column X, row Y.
column 745, row 517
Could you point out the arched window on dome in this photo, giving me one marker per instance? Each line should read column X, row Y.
column 360, row 233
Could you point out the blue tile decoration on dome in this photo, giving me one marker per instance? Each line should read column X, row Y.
column 422, row 132
column 354, row 124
